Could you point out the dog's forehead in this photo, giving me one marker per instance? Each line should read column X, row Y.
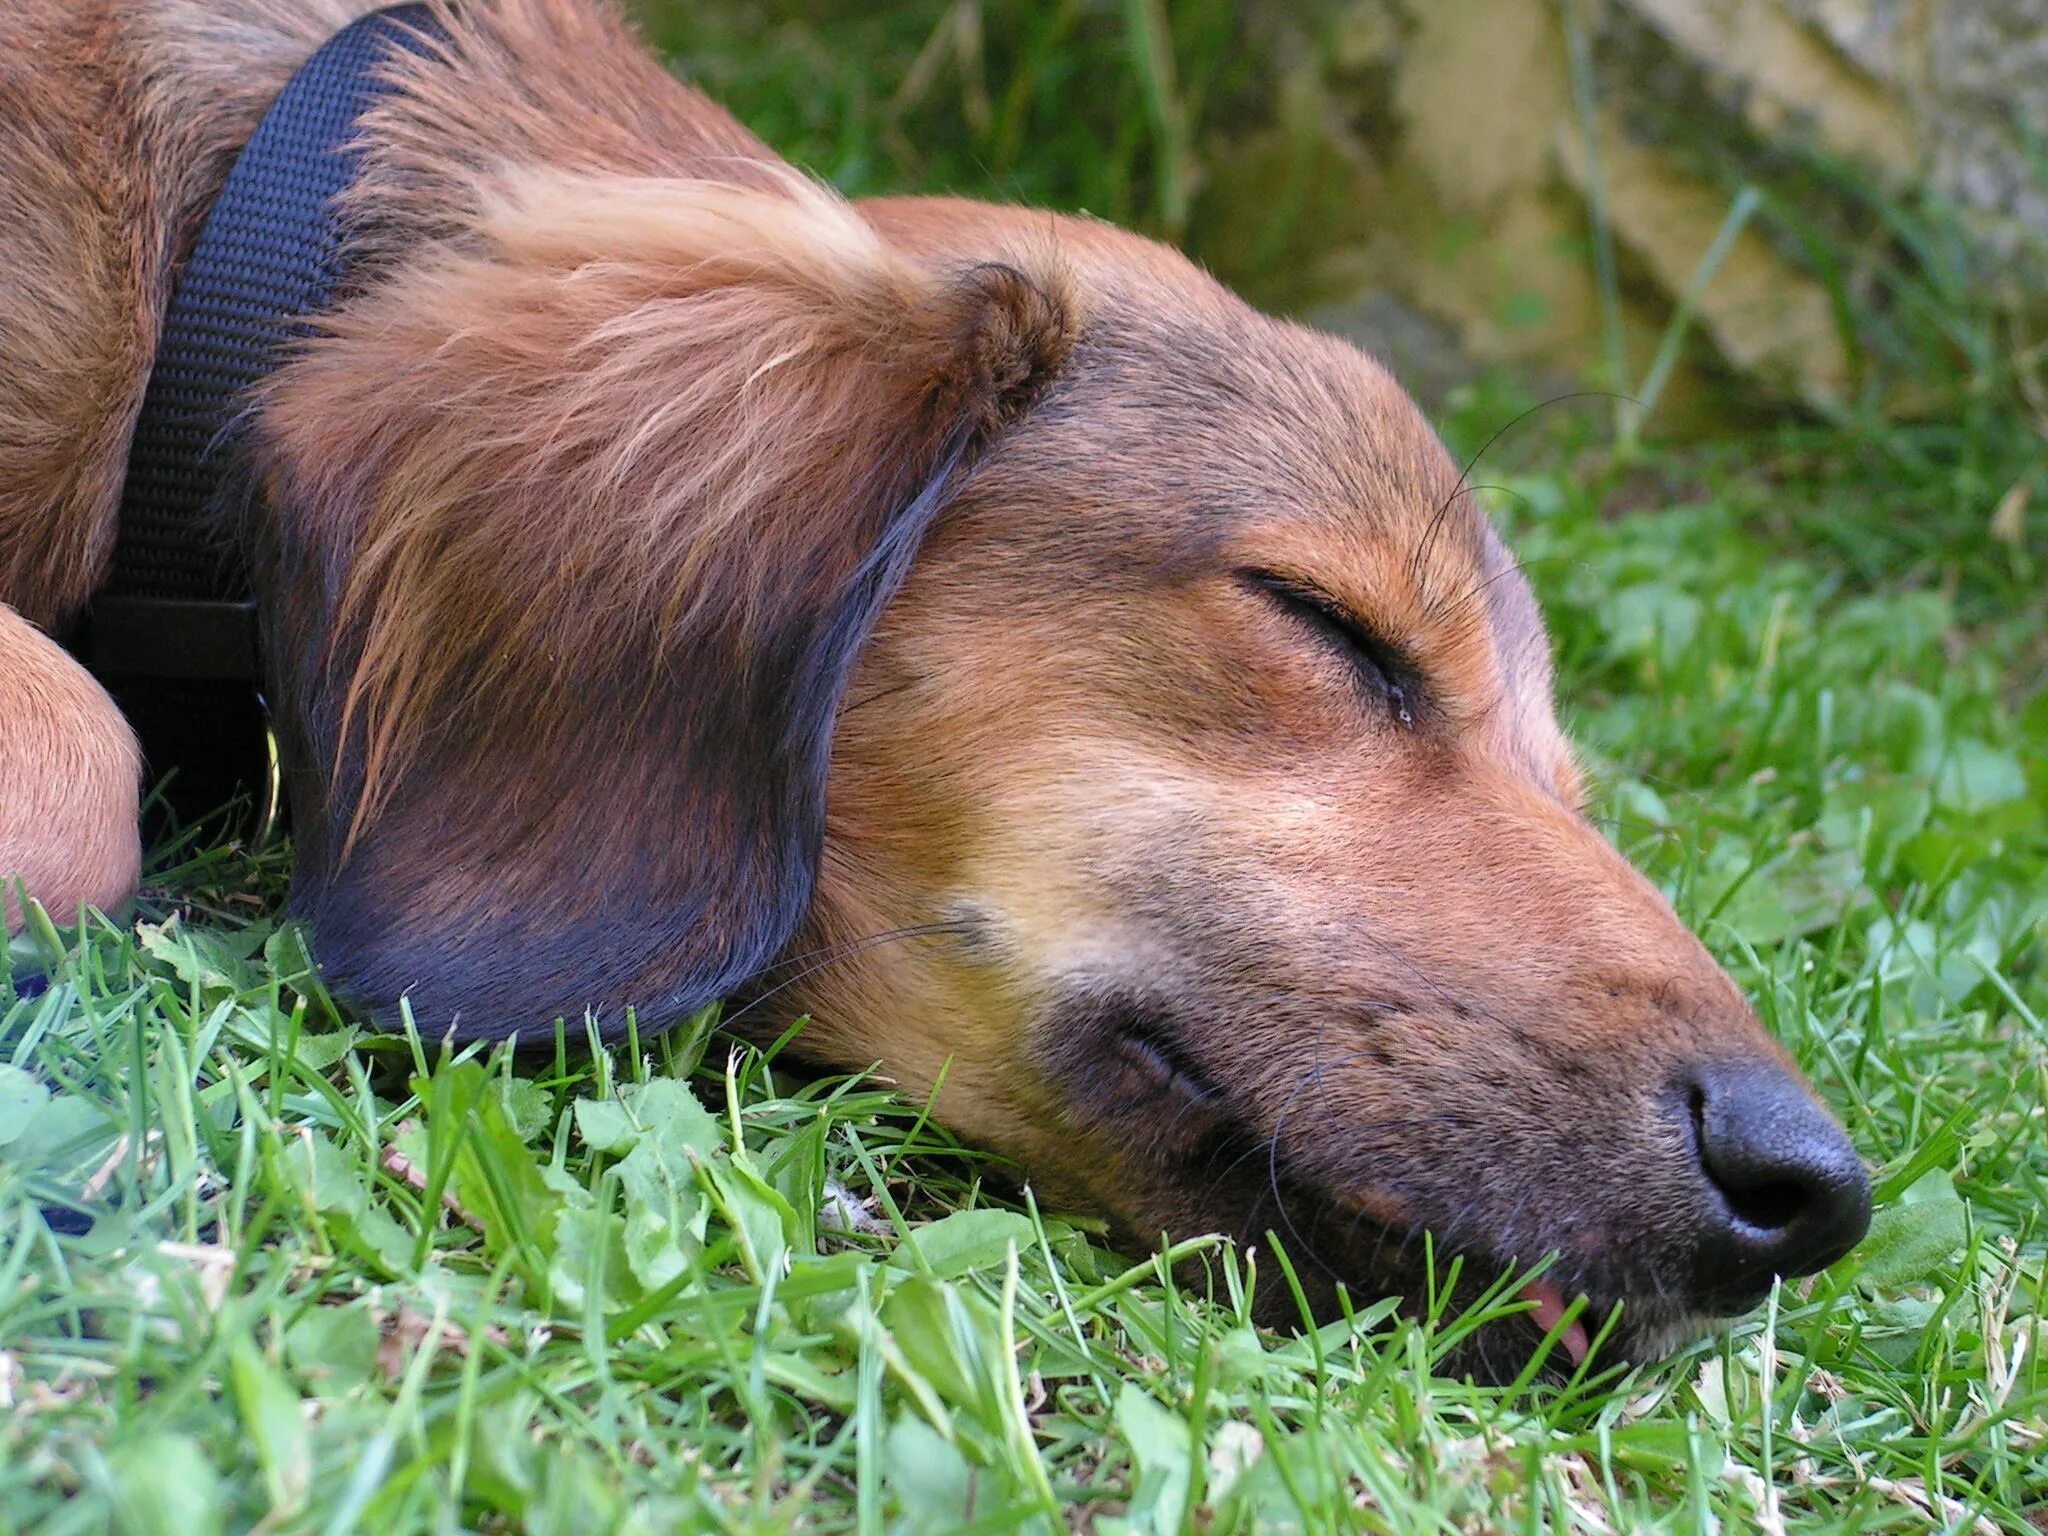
column 1188, row 387
column 1212, row 435
column 1283, row 423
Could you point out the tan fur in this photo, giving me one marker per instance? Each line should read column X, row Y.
column 68, row 777
column 581, row 519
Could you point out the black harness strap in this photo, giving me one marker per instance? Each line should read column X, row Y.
column 177, row 603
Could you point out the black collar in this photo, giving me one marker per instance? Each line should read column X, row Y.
column 177, row 601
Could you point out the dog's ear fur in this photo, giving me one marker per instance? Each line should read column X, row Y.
column 574, row 537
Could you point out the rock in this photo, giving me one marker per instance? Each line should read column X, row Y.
column 1456, row 158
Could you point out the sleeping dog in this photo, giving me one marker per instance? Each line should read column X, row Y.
column 972, row 626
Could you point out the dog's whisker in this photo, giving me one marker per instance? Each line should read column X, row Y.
column 879, row 694
column 1419, row 554
column 1451, row 612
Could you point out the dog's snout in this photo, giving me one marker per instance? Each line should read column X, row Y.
column 1787, row 1194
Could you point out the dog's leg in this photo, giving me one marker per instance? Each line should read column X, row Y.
column 69, row 771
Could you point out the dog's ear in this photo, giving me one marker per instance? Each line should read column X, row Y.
column 574, row 539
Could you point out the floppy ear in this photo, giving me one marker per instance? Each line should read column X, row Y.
column 574, row 540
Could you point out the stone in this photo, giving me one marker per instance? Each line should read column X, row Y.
column 1468, row 199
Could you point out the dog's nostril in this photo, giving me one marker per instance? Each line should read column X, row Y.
column 1788, row 1194
column 1768, row 1207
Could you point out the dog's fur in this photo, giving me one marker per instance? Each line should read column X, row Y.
column 637, row 490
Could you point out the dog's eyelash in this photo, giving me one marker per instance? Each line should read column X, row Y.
column 1378, row 661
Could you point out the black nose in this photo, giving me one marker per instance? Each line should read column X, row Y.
column 1788, row 1195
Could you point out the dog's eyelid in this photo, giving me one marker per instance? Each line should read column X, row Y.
column 1390, row 669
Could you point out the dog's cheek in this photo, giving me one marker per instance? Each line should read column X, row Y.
column 897, row 978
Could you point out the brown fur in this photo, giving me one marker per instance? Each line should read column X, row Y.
column 718, row 321
column 68, row 775
column 580, row 526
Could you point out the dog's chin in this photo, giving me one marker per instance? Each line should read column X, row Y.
column 1544, row 1330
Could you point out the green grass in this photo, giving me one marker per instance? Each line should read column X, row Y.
column 262, row 1270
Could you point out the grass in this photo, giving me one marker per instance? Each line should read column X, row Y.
column 263, row 1270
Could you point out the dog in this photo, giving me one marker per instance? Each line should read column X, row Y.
column 968, row 626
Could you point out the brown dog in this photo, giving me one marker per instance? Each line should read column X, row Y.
column 1194, row 791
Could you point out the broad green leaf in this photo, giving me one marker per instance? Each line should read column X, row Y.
column 61, row 1136
column 291, row 962
column 760, row 1218
column 1912, row 1237
column 935, row 1486
column 1975, row 776
column 496, row 1176
column 665, row 1224
column 164, row 1485
column 333, row 1348
column 949, row 1337
column 206, row 958
column 666, row 1208
column 803, row 1375
column 810, row 1275
column 1240, row 1357
column 1162, row 1455
column 276, row 1426
column 672, row 1113
column 317, row 1051
column 589, row 1243
column 575, row 1495
column 605, row 1126
column 965, row 1241
column 1655, row 621
column 528, row 1106
column 20, row 1097
column 335, row 1184
column 797, row 1171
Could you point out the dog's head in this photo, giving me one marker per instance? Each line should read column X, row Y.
column 986, row 633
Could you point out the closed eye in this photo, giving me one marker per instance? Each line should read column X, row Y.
column 1379, row 664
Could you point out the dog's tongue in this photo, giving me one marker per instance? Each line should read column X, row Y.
column 1548, row 1312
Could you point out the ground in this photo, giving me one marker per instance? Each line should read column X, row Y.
column 260, row 1269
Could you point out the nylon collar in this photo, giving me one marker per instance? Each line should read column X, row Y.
column 177, row 603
